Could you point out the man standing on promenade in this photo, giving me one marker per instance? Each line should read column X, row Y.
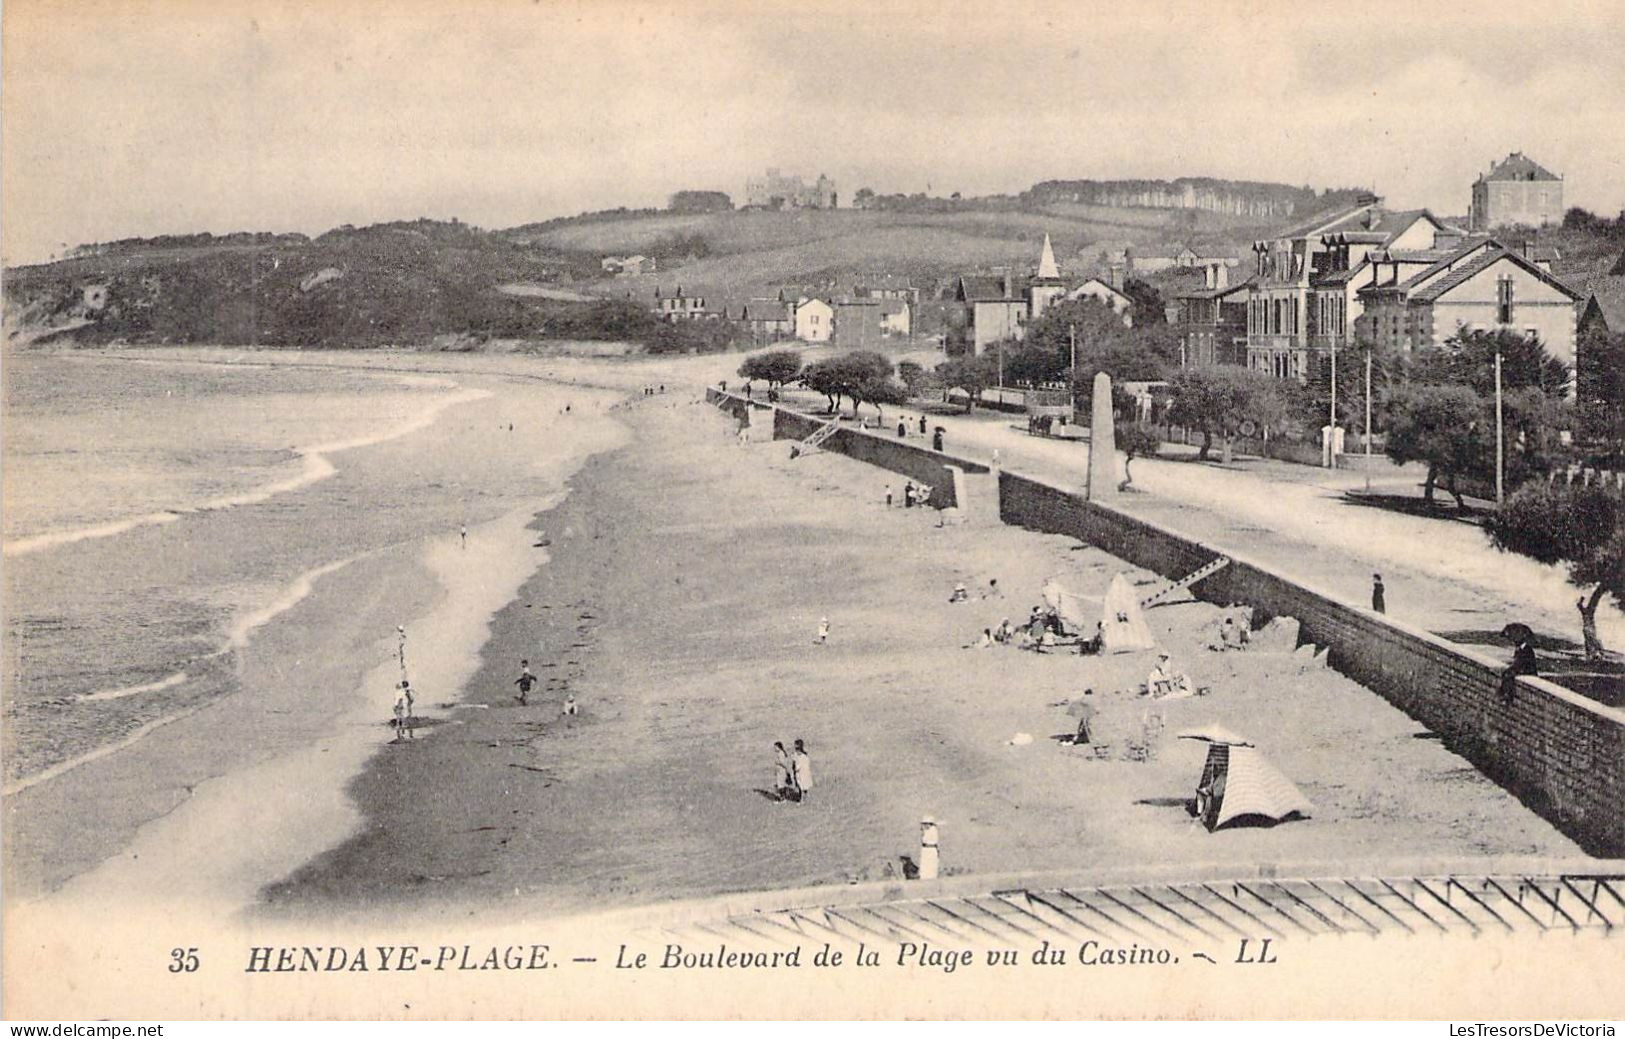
column 922, row 425
column 801, row 766
column 936, row 440
column 526, row 679
column 1379, row 601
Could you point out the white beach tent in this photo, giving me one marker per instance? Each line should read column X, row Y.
column 1123, row 624
column 1076, row 611
column 1238, row 782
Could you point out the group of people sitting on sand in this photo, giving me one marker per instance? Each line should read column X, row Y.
column 912, row 495
column 1041, row 632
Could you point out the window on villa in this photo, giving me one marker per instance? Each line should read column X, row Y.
column 1503, row 301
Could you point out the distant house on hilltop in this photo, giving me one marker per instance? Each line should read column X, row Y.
column 776, row 190
column 1516, row 190
column 627, row 264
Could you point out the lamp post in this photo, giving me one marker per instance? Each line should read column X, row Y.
column 1331, row 425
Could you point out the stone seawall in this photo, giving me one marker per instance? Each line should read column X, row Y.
column 909, row 460
column 1560, row 753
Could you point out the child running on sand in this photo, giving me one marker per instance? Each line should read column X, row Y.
column 526, row 679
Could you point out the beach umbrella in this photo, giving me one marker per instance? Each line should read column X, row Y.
column 1216, row 734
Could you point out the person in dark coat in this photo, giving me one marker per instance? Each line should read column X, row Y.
column 922, row 425
column 1379, row 602
column 1523, row 663
column 936, row 440
column 902, row 430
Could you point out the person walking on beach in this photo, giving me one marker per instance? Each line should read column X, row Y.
column 922, row 425
column 801, row 770
column 1379, row 601
column 403, row 731
column 936, row 440
column 902, row 430
column 784, row 782
column 406, row 694
column 908, row 495
column 569, row 709
column 888, row 496
column 462, row 532
column 823, row 631
column 526, row 679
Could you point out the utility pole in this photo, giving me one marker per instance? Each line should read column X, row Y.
column 1500, row 447
column 1072, row 371
column 1368, row 419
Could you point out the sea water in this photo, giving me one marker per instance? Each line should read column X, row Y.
column 158, row 513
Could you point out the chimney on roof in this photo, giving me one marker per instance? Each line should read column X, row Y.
column 1221, row 275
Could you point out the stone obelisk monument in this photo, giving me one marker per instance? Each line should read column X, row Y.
column 1102, row 443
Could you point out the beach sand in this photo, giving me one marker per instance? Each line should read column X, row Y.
column 687, row 580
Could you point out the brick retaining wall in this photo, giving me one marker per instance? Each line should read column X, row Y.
column 920, row 464
column 1560, row 753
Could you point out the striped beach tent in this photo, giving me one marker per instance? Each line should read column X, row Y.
column 1239, row 784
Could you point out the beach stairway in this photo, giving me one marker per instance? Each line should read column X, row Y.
column 1208, row 569
column 977, row 495
column 818, row 436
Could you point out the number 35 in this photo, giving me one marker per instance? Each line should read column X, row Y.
column 183, row 960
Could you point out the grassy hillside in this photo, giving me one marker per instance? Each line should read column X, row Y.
column 403, row 283
column 746, row 254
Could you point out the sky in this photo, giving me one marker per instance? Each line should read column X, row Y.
column 142, row 117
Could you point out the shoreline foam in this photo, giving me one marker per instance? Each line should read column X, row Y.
column 316, row 467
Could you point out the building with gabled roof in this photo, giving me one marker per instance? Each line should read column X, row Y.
column 768, row 319
column 1305, row 281
column 1485, row 285
column 992, row 310
column 1516, row 190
